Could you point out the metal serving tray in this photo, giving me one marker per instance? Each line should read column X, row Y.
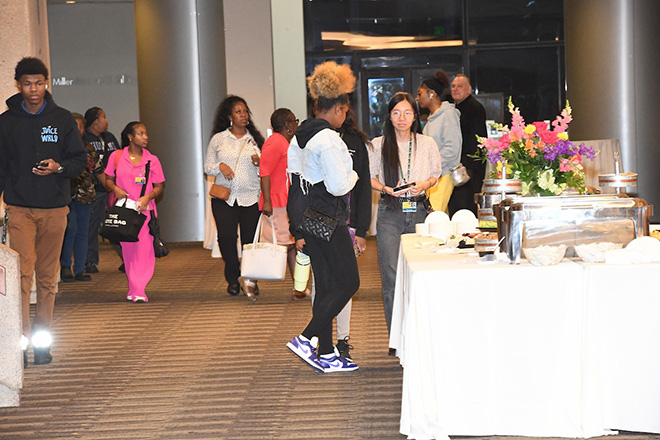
column 569, row 220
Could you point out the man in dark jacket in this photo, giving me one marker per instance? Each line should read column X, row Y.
column 473, row 122
column 40, row 151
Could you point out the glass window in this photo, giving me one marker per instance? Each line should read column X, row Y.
column 383, row 24
column 534, row 77
column 515, row 21
column 380, row 91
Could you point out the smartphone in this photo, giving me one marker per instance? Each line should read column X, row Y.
column 41, row 164
column 403, row 187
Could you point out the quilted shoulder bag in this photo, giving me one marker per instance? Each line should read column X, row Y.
column 317, row 224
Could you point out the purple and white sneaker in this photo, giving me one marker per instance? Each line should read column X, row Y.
column 334, row 363
column 305, row 351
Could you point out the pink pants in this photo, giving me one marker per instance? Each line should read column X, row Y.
column 139, row 260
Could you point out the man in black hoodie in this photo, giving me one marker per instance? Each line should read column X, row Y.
column 40, row 151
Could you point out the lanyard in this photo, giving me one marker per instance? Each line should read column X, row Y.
column 409, row 160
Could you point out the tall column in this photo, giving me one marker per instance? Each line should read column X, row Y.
column 249, row 51
column 181, row 79
column 611, row 71
column 24, row 27
column 289, row 56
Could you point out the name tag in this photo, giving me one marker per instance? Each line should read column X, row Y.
column 140, row 180
column 409, row 206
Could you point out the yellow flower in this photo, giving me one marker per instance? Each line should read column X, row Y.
column 530, row 129
column 509, row 169
column 563, row 136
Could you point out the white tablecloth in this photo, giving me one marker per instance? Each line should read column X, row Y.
column 522, row 350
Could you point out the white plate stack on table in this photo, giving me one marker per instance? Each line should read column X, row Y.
column 465, row 222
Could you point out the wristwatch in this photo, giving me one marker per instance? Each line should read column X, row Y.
column 59, row 169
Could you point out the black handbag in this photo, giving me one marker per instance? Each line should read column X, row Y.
column 160, row 248
column 122, row 223
column 317, row 224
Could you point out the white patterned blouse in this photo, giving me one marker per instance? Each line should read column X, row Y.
column 236, row 153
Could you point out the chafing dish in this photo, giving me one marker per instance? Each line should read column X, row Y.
column 494, row 190
column 569, row 220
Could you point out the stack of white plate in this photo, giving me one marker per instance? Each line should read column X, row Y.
column 439, row 225
column 465, row 222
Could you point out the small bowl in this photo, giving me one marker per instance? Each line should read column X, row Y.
column 545, row 255
column 595, row 252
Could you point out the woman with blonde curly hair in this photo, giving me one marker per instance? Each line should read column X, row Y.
column 322, row 175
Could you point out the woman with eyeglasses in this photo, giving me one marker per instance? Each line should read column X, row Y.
column 403, row 165
column 275, row 187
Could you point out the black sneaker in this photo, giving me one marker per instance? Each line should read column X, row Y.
column 91, row 268
column 42, row 356
column 344, row 348
column 82, row 276
column 66, row 275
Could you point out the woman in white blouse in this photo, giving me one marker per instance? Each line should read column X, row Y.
column 233, row 159
column 403, row 165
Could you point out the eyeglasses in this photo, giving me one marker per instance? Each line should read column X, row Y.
column 405, row 115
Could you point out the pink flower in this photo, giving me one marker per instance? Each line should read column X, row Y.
column 570, row 164
column 548, row 137
column 562, row 121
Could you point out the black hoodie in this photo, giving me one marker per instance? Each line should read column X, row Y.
column 26, row 139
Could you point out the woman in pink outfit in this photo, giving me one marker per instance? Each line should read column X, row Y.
column 126, row 177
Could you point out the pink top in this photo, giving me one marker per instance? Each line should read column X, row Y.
column 130, row 178
column 273, row 164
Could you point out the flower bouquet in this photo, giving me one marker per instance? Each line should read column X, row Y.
column 544, row 159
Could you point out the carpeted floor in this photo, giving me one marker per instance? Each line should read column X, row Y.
column 195, row 363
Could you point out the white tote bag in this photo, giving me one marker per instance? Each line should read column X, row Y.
column 264, row 261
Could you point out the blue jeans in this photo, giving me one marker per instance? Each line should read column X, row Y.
column 75, row 237
column 391, row 224
column 95, row 221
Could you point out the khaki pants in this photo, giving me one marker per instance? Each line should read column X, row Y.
column 440, row 194
column 37, row 235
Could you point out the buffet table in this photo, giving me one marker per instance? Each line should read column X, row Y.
column 569, row 350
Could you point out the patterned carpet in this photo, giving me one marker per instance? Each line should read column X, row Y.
column 195, row 363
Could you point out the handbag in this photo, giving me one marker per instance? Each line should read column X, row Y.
column 122, row 223
column 160, row 248
column 264, row 261
column 222, row 192
column 317, row 224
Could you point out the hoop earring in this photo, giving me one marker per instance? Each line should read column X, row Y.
column 288, row 130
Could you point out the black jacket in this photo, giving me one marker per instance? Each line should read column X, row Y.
column 26, row 139
column 473, row 122
column 360, row 203
column 104, row 145
column 317, row 195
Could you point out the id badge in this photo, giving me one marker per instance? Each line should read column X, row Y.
column 140, row 180
column 409, row 207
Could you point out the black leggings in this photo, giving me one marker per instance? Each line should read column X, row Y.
column 337, row 279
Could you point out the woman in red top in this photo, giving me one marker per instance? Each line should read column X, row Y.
column 275, row 185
